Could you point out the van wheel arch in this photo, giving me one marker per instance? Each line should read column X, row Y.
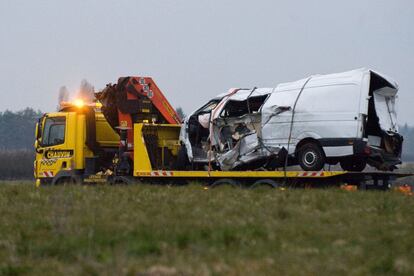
column 305, row 141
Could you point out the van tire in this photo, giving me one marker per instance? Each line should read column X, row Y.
column 353, row 164
column 311, row 157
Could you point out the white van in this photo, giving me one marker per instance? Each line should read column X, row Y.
column 347, row 117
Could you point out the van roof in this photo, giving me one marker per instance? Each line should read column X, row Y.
column 349, row 77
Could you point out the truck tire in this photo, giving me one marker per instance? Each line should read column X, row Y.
column 353, row 164
column 264, row 183
column 120, row 180
column 67, row 181
column 226, row 182
column 311, row 157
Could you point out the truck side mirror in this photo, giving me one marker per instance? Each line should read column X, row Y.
column 37, row 131
column 39, row 127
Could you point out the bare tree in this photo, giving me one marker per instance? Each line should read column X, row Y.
column 63, row 96
column 180, row 113
column 86, row 91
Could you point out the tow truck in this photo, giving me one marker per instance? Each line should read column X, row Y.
column 130, row 134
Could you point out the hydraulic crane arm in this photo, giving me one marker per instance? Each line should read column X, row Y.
column 137, row 87
column 135, row 99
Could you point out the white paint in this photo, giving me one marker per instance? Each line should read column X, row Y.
column 338, row 151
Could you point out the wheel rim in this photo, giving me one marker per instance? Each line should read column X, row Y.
column 309, row 158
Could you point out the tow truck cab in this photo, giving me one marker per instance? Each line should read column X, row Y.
column 68, row 141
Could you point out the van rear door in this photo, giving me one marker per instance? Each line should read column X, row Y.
column 381, row 127
column 384, row 100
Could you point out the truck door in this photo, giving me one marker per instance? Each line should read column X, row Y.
column 52, row 154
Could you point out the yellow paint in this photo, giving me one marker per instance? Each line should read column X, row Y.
column 239, row 174
column 79, row 138
column 141, row 158
column 51, row 159
column 72, row 153
column 105, row 134
column 167, row 137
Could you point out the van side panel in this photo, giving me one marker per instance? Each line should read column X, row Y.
column 363, row 102
column 319, row 112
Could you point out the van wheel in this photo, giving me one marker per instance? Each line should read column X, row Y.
column 311, row 157
column 353, row 164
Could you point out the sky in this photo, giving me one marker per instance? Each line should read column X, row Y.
column 195, row 50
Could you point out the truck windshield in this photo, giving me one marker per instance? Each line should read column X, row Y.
column 53, row 131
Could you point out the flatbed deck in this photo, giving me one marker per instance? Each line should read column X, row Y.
column 364, row 180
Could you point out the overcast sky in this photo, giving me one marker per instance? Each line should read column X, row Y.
column 197, row 49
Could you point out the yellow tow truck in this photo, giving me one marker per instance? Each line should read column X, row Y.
column 131, row 135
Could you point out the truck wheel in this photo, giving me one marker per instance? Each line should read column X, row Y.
column 120, row 180
column 264, row 183
column 226, row 182
column 311, row 157
column 67, row 181
column 353, row 164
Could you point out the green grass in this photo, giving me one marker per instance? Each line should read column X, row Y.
column 147, row 230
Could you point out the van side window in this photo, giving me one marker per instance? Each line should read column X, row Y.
column 54, row 131
column 240, row 108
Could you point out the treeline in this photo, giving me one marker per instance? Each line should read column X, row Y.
column 17, row 134
column 408, row 145
column 17, row 129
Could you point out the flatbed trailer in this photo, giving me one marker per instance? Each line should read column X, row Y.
column 364, row 180
column 167, row 138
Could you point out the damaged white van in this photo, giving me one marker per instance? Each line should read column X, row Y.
column 347, row 118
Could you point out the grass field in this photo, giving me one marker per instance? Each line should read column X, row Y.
column 152, row 230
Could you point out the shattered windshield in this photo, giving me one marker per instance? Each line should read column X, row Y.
column 208, row 107
column 239, row 108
